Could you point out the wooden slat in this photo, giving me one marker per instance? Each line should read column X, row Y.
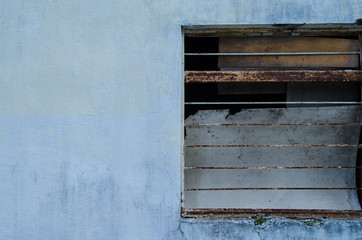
column 268, row 199
column 273, row 30
column 273, row 135
column 270, row 178
column 274, row 76
column 271, row 156
column 288, row 45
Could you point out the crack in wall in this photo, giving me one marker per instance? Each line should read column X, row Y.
column 177, row 234
column 182, row 232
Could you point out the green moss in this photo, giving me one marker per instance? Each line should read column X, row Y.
column 312, row 222
column 259, row 220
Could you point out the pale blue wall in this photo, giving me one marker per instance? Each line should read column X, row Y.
column 90, row 117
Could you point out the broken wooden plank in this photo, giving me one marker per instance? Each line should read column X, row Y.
column 342, row 114
column 271, row 135
column 274, row 76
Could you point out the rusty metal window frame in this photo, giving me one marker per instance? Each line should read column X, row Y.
column 277, row 76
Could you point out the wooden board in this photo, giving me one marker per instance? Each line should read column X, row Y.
column 288, row 45
column 272, row 135
column 270, row 156
column 327, row 29
column 270, row 178
column 343, row 114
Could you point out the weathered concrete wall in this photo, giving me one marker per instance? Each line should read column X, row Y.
column 90, row 117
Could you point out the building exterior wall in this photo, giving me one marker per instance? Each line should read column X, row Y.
column 90, row 117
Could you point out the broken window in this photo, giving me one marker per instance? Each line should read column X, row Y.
column 272, row 121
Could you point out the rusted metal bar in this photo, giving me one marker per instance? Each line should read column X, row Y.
column 270, row 103
column 274, row 76
column 271, row 124
column 266, row 188
column 243, row 212
column 272, row 54
column 279, row 145
column 307, row 167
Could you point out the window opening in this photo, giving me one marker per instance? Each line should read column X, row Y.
column 272, row 122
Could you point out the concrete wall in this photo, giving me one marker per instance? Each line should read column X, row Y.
column 90, row 117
